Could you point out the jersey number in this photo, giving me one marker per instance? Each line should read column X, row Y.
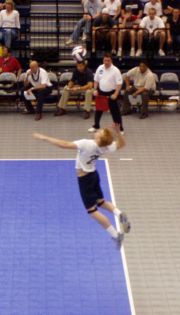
column 93, row 158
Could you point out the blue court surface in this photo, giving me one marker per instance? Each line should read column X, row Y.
column 54, row 259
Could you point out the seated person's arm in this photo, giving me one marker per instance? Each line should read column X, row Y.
column 128, row 82
column 139, row 91
column 40, row 86
column 87, row 86
column 19, row 72
column 140, row 14
column 118, row 11
column 123, row 12
column 169, row 37
column 70, row 84
column 26, row 81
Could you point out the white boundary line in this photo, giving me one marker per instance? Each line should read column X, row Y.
column 126, row 159
column 133, row 312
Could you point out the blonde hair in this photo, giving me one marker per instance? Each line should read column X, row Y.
column 106, row 137
column 10, row 2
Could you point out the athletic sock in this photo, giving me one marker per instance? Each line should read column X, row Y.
column 117, row 212
column 112, row 231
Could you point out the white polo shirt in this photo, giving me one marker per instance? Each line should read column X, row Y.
column 108, row 78
column 151, row 25
column 41, row 77
column 157, row 6
column 112, row 6
column 89, row 152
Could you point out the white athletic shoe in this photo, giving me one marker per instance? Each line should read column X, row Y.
column 161, row 52
column 119, row 240
column 139, row 53
column 69, row 41
column 132, row 52
column 92, row 129
column 84, row 37
column 124, row 222
column 119, row 53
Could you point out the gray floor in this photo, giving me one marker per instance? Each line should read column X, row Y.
column 147, row 187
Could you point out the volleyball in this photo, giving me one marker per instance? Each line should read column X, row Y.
column 79, row 53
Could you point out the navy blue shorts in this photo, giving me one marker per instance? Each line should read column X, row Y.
column 90, row 190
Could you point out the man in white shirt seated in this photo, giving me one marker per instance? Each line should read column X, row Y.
column 153, row 4
column 143, row 84
column 154, row 25
column 37, row 88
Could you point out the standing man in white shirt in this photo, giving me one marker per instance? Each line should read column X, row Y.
column 155, row 26
column 89, row 150
column 37, row 86
column 107, row 82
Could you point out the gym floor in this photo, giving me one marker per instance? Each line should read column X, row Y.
column 146, row 180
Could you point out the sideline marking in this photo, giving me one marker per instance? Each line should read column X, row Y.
column 133, row 312
column 126, row 159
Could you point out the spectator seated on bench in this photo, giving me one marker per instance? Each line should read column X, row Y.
column 156, row 29
column 114, row 9
column 156, row 4
column 103, row 33
column 169, row 6
column 37, row 88
column 9, row 63
column 9, row 24
column 81, row 83
column 134, row 5
column 92, row 9
column 173, row 32
column 144, row 85
column 129, row 26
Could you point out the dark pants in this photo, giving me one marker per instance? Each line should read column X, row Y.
column 40, row 95
column 114, row 109
column 145, row 98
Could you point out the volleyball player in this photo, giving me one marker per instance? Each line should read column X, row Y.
column 89, row 150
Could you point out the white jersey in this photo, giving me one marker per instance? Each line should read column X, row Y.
column 89, row 152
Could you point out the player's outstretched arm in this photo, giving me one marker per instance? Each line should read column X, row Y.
column 60, row 143
column 120, row 141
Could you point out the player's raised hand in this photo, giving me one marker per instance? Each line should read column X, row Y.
column 39, row 136
column 116, row 127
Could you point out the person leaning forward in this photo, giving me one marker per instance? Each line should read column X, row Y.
column 143, row 84
column 81, row 83
column 37, row 87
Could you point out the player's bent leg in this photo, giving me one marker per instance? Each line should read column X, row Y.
column 122, row 217
column 104, row 221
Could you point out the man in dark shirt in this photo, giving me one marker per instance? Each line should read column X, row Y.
column 169, row 5
column 173, row 33
column 135, row 6
column 81, row 82
column 103, row 32
column 9, row 63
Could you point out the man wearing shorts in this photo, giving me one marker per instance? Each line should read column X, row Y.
column 89, row 150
